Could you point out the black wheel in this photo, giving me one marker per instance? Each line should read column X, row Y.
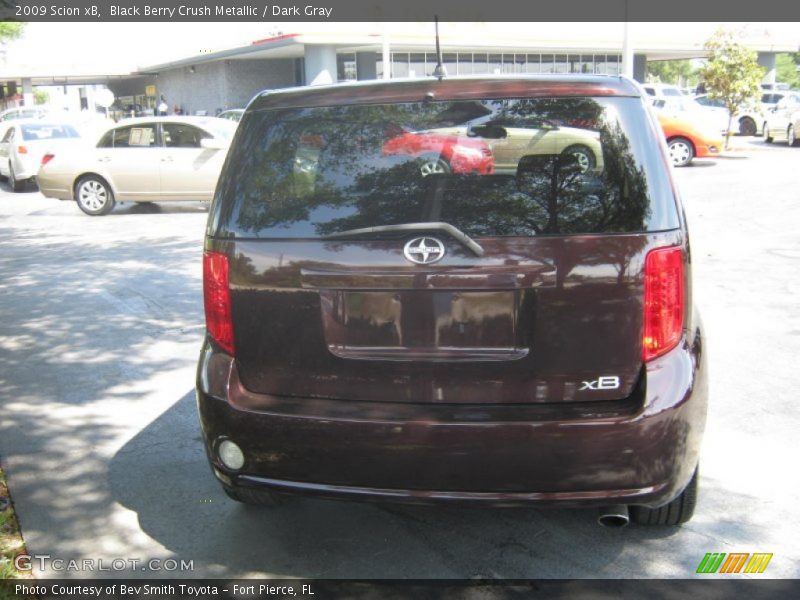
column 747, row 126
column 433, row 165
column 791, row 136
column 252, row 497
column 583, row 154
column 94, row 196
column 676, row 512
column 681, row 151
column 15, row 184
column 765, row 135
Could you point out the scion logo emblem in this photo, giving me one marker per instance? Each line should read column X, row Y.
column 424, row 250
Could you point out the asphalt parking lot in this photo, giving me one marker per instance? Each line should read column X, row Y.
column 100, row 326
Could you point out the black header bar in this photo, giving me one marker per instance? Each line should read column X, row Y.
column 399, row 10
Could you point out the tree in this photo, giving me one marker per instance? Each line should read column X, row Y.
column 786, row 69
column 40, row 96
column 731, row 74
column 677, row 72
column 10, row 30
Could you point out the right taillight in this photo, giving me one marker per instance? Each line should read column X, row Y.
column 217, row 298
column 47, row 158
column 664, row 301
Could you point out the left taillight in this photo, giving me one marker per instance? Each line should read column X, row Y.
column 47, row 158
column 217, row 298
column 664, row 301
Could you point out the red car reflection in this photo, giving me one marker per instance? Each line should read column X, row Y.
column 443, row 153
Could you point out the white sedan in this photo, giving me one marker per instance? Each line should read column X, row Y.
column 747, row 122
column 23, row 144
column 783, row 121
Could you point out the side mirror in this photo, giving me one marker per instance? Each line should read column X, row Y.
column 212, row 144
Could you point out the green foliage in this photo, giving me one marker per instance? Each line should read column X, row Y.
column 732, row 73
column 676, row 72
column 786, row 69
column 10, row 30
column 40, row 96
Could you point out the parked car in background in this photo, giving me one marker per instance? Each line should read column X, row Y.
column 783, row 120
column 672, row 95
column 521, row 337
column 23, row 143
column 514, row 139
column 234, row 114
column 771, row 99
column 746, row 122
column 140, row 160
column 440, row 151
column 23, row 112
column 688, row 139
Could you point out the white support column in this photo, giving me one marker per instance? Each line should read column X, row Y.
column 387, row 57
column 627, row 52
column 320, row 65
column 27, row 91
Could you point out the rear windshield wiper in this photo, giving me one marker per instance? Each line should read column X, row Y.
column 453, row 232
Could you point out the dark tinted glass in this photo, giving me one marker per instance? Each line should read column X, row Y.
column 181, row 135
column 498, row 167
column 107, row 141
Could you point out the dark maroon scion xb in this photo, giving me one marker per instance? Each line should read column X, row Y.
column 473, row 290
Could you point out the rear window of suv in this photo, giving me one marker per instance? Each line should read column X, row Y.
column 492, row 167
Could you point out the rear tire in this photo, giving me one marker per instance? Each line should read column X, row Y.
column 747, row 126
column 15, row 184
column 681, row 151
column 680, row 510
column 94, row 196
column 252, row 496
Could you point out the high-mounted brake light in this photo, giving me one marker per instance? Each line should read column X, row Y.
column 217, row 298
column 47, row 158
column 664, row 301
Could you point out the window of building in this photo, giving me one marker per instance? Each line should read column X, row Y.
column 480, row 63
column 346, row 69
column 399, row 64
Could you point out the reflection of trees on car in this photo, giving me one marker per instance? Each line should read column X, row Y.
column 320, row 171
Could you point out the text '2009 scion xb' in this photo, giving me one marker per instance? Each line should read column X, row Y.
column 472, row 290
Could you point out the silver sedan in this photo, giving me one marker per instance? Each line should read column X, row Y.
column 141, row 160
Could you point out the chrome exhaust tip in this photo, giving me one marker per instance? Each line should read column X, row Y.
column 614, row 516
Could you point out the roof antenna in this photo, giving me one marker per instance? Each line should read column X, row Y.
column 439, row 72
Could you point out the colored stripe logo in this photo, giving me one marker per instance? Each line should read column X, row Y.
column 736, row 562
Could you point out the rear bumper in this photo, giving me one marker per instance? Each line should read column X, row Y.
column 506, row 455
column 54, row 186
